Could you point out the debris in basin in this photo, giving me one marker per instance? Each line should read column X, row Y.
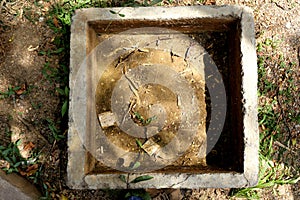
column 150, row 147
column 157, row 98
column 107, row 119
column 140, row 119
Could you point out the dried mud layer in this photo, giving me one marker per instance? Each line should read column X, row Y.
column 147, row 104
column 28, row 112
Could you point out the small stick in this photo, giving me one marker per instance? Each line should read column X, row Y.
column 283, row 146
column 133, row 88
column 1, row 5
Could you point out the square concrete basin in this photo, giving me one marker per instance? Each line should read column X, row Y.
column 165, row 92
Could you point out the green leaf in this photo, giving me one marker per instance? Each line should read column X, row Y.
column 293, row 181
column 8, row 159
column 6, row 152
column 17, row 164
column 58, row 51
column 16, row 88
column 154, row 2
column 294, row 141
column 18, row 142
column 139, row 117
column 64, row 108
column 139, row 143
column 45, row 186
column 121, row 15
column 113, row 12
column 127, row 195
column 60, row 136
column 136, row 165
column 122, row 178
column 66, row 91
column 42, row 52
column 14, row 159
column 149, row 120
column 141, row 178
column 60, row 91
column 146, row 196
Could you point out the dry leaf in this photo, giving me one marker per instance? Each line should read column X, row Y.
column 4, row 164
column 29, row 146
column 63, row 197
column 30, row 170
column 21, row 90
column 46, row 7
column 55, row 22
column 210, row 2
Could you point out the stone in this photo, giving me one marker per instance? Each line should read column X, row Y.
column 150, row 147
column 107, row 119
column 13, row 186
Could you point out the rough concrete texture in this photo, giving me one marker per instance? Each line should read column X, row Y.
column 84, row 30
column 15, row 187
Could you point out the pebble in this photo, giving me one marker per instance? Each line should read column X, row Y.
column 41, row 19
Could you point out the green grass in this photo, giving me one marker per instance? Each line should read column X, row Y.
column 275, row 91
column 271, row 174
column 13, row 157
column 57, row 134
column 17, row 90
column 142, row 120
column 30, row 167
column 11, row 91
column 11, row 154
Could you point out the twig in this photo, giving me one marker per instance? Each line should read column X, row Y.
column 188, row 50
column 282, row 112
column 285, row 147
column 127, row 181
column 133, row 88
column 31, row 129
column 129, row 108
column 1, row 5
column 125, row 57
column 31, row 48
column 298, row 55
column 279, row 6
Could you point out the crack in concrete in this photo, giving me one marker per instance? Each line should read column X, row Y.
column 188, row 176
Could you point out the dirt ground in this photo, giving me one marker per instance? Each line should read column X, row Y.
column 32, row 111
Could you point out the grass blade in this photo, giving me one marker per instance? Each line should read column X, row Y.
column 139, row 143
column 64, row 108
